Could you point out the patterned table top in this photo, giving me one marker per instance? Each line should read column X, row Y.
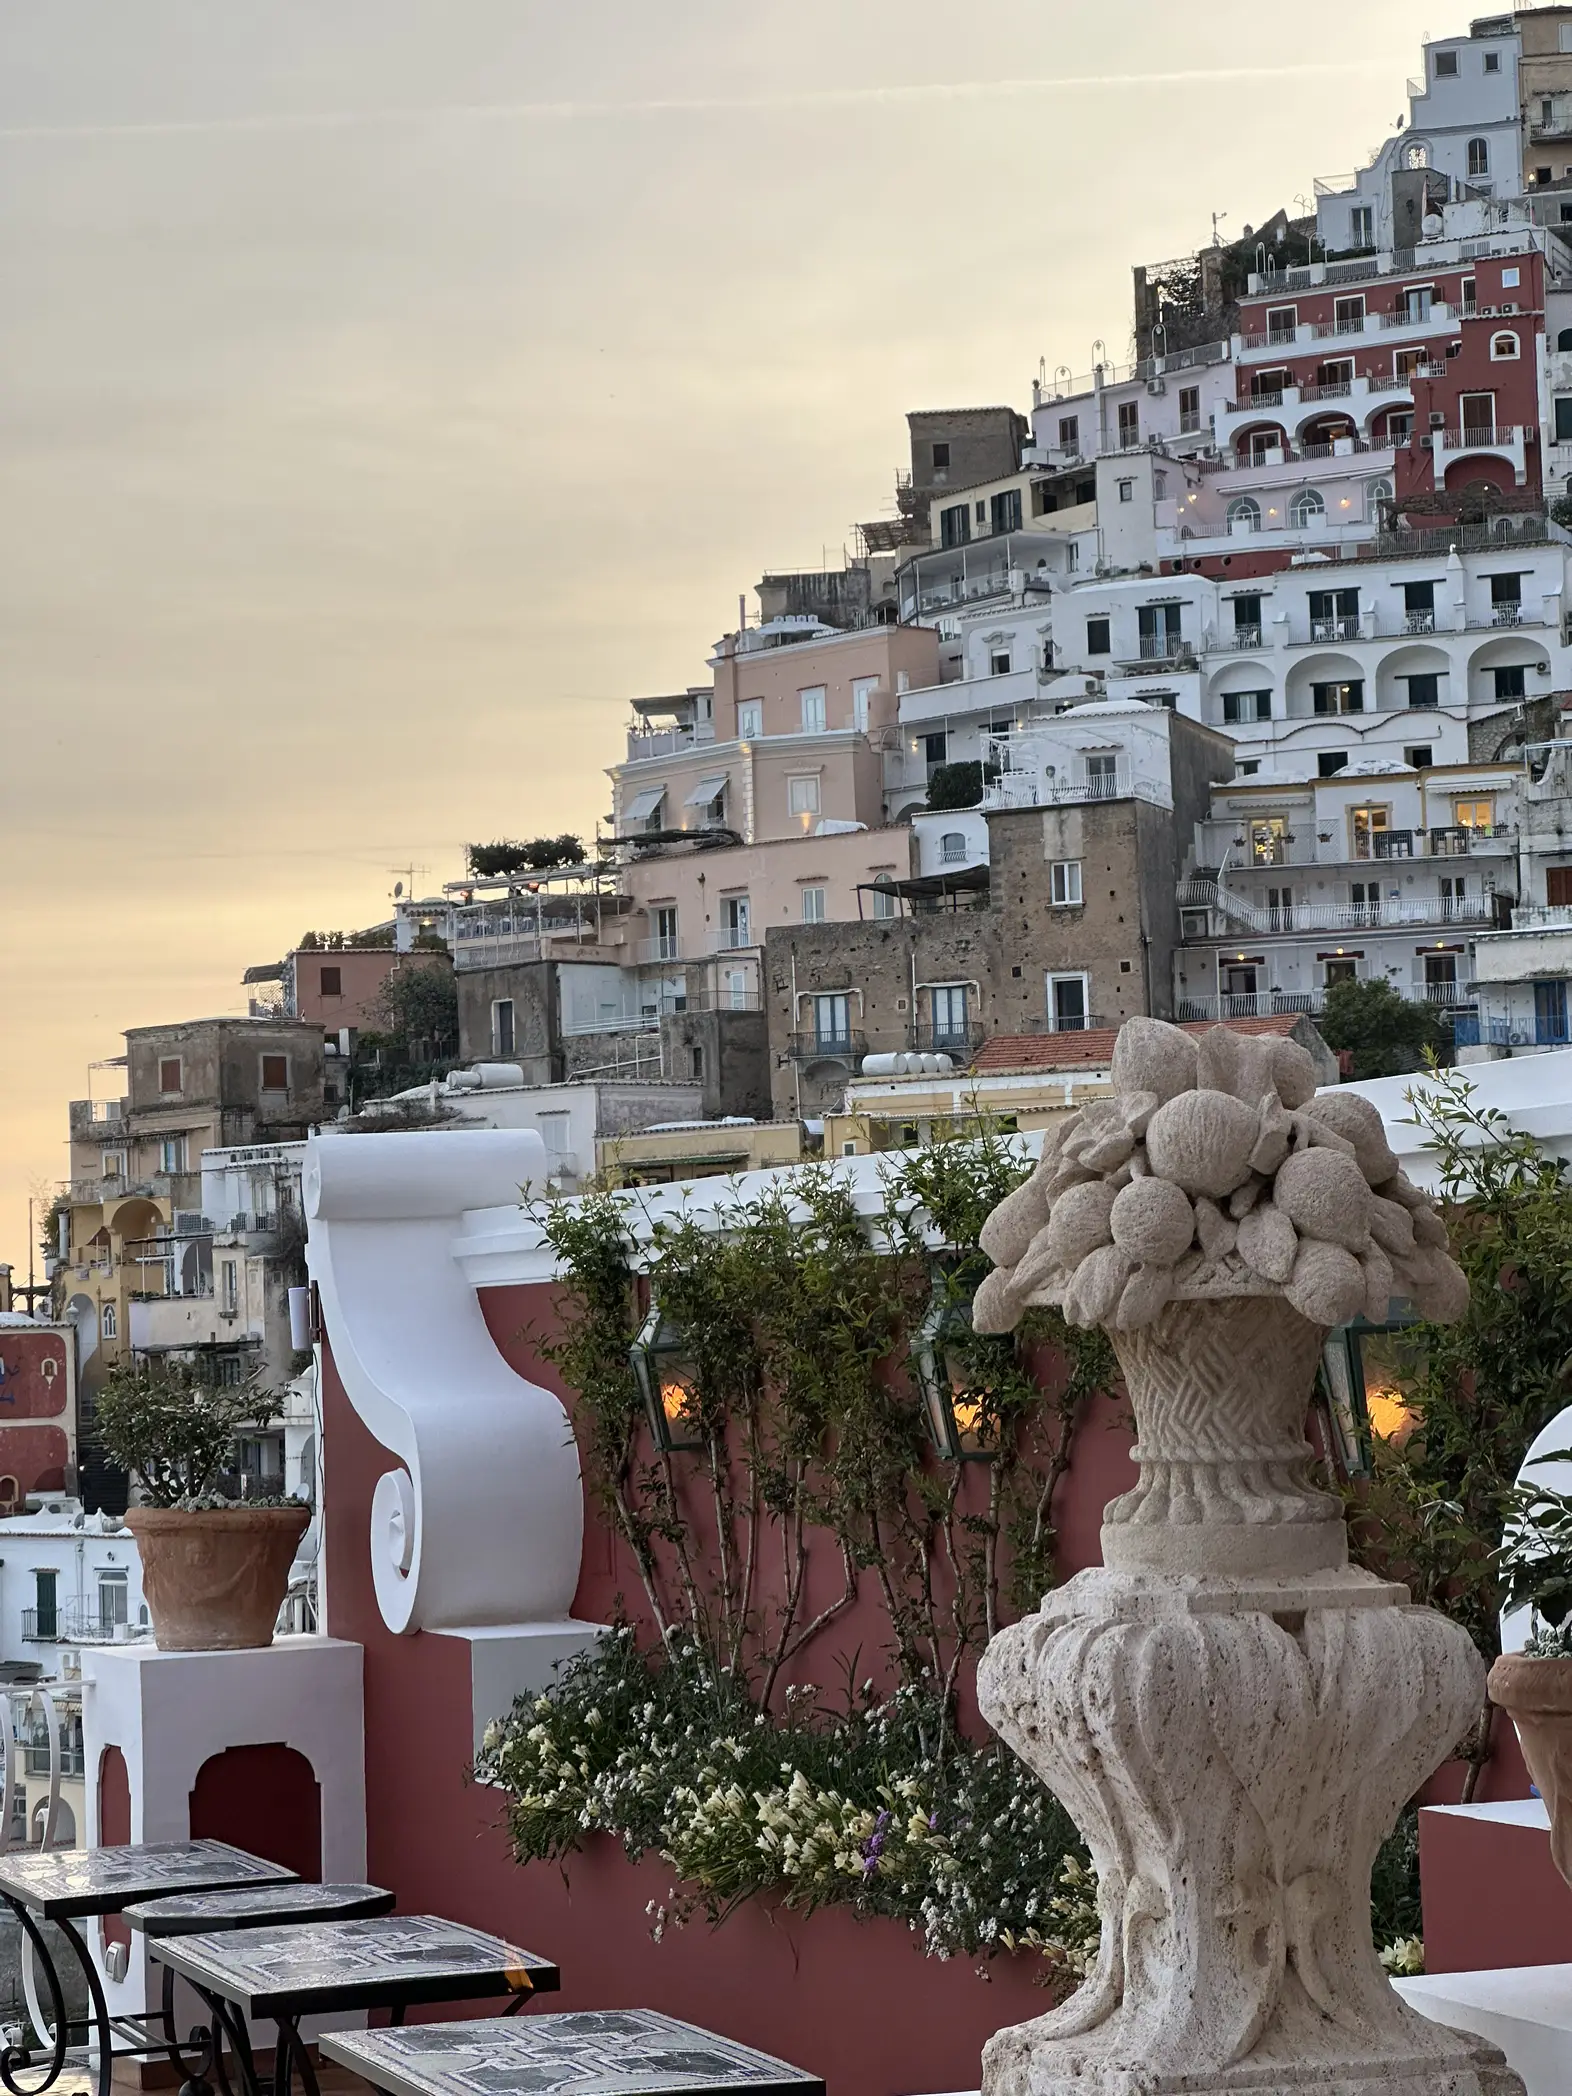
column 605, row 2052
column 355, row 1964
column 253, row 1906
column 59, row 1883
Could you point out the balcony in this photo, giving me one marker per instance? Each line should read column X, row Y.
column 1504, row 440
column 1269, row 1004
column 1479, row 840
column 167, row 1324
column 1163, row 647
column 1021, row 785
column 1542, row 917
column 72, row 1624
column 732, row 938
column 961, row 1041
column 667, row 742
column 1334, row 629
column 818, row 1047
column 665, row 947
column 1287, row 918
column 1419, row 622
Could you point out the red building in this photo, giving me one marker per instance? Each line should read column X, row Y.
column 37, row 1407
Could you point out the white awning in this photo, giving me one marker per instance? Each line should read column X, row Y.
column 706, row 791
column 643, row 805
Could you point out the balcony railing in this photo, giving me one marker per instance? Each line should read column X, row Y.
column 1022, row 785
column 961, row 1040
column 1336, row 389
column 1542, row 917
column 1244, row 637
column 732, row 938
column 1394, row 913
column 666, row 946
column 1162, row 647
column 1252, row 1004
column 1334, row 629
column 69, row 1624
column 827, row 1047
column 1458, row 843
column 1419, row 621
column 1506, row 614
column 1070, row 1022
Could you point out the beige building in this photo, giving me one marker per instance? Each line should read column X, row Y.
column 696, row 1150
column 1545, row 84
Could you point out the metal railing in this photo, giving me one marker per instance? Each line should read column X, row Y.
column 71, row 1623
column 667, row 946
column 1336, row 916
column 1163, row 647
column 1500, row 436
column 960, row 1040
column 1245, row 637
column 827, row 1047
column 1335, row 629
column 1419, row 622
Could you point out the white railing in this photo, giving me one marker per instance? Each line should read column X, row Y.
column 1336, row 916
column 665, row 947
column 667, row 742
column 1026, row 781
column 732, row 939
column 1542, row 917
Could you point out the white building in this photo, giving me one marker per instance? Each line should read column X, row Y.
column 66, row 1579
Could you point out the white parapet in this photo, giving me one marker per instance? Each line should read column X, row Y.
column 1525, row 2009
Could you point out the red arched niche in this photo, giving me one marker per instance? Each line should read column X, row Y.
column 114, row 1826
column 265, row 1799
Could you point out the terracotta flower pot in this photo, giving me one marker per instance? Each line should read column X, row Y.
column 1537, row 1695
column 215, row 1579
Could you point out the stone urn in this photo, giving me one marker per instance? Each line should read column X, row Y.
column 215, row 1577
column 1537, row 1695
column 1232, row 1713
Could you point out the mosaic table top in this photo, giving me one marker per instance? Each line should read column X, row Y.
column 254, row 1906
column 354, row 1964
column 604, row 2052
column 59, row 1883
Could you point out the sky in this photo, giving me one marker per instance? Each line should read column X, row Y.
column 389, row 389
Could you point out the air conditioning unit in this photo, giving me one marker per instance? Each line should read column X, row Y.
column 1155, row 386
column 1517, row 1040
column 1489, row 312
column 1507, row 311
column 1427, row 443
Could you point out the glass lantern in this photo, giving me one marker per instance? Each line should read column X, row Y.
column 668, row 1383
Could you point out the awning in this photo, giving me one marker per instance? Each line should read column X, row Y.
column 706, row 791
column 643, row 805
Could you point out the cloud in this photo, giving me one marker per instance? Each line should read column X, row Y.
column 575, row 111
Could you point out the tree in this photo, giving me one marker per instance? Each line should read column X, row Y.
column 955, row 785
column 509, row 855
column 417, row 1037
column 1385, row 1034
column 171, row 1429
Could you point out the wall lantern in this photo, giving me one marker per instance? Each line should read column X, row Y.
column 667, row 1380
column 1368, row 1375
column 958, row 1410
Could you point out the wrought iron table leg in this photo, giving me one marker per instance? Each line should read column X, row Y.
column 99, row 2004
column 14, row 2056
column 291, row 2046
column 193, row 2073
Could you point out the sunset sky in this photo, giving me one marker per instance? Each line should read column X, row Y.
column 390, row 388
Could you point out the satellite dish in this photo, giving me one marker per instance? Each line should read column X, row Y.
column 398, row 889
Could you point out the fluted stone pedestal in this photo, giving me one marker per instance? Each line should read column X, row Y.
column 1234, row 1718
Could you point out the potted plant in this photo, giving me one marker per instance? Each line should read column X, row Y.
column 1534, row 1686
column 215, row 1570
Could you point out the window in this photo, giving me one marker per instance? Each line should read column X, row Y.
column 1510, row 279
column 1365, row 827
column 1419, row 607
column 863, row 689
column 1127, row 491
column 1505, row 347
column 832, row 1022
column 668, row 941
column 1345, row 695
column 169, row 1074
column 1161, row 631
column 1446, row 65
column 734, row 989
column 813, row 905
column 1067, row 1002
column 1268, row 841
column 1004, row 511
column 999, row 663
column 1361, row 226
column 1129, row 423
column 812, row 709
column 1424, row 690
column 1098, row 637
column 1421, row 756
column 936, row 747
column 109, row 1323
column 1564, row 339
column 1510, row 683
column 1309, row 507
column 1282, row 323
column 1247, row 621
column 883, row 897
column 1329, row 763
column 941, row 458
column 955, row 524
column 1241, row 706
column 1348, row 315
column 46, row 1604
column 114, row 1166
column 1064, row 884
column 1334, row 614
column 750, row 719
column 1244, row 515
column 112, row 1590
column 1564, row 418
column 503, row 1037
column 332, row 984
column 1102, row 777
column 1416, row 153
column 1492, row 61
column 172, row 1154
column 1476, row 814
column 950, row 1015
column 1479, row 417
column 952, row 848
column 1416, row 302
column 229, row 1277
column 1069, row 432
column 1189, row 410
column 1340, row 968
column 735, row 920
column 1478, row 156
column 1247, row 767
column 802, row 795
column 1469, row 296
column 275, row 1073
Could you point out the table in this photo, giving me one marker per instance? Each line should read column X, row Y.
column 391, row 1961
column 601, row 2052
column 65, row 1886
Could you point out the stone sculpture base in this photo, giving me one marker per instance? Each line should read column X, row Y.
column 1235, row 1749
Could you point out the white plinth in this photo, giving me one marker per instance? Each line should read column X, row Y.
column 507, row 1660
column 1525, row 2009
column 169, row 1712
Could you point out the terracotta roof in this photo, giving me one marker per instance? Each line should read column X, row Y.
column 1094, row 1050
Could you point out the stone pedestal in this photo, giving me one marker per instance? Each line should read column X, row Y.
column 1234, row 1717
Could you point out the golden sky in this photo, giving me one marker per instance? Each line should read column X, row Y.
column 389, row 388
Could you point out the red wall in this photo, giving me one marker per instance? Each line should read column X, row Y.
column 35, row 1402
column 855, row 2001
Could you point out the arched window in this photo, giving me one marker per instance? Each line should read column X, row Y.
column 1416, row 153
column 1308, row 508
column 1479, row 156
column 111, row 1324
column 952, row 848
column 1504, row 347
column 883, row 900
column 1244, row 514
column 1380, row 491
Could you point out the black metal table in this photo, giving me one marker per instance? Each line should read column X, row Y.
column 393, row 1962
column 65, row 1886
column 601, row 2052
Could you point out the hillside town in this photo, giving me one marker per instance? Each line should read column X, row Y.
column 1225, row 683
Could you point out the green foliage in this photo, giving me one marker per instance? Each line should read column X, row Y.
column 1385, row 1034
column 419, row 1034
column 956, row 785
column 378, row 938
column 508, row 855
column 173, row 1431
column 1534, row 1562
column 874, row 1805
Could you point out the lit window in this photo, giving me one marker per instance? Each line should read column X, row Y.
column 1309, row 507
column 1505, row 347
column 1244, row 515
